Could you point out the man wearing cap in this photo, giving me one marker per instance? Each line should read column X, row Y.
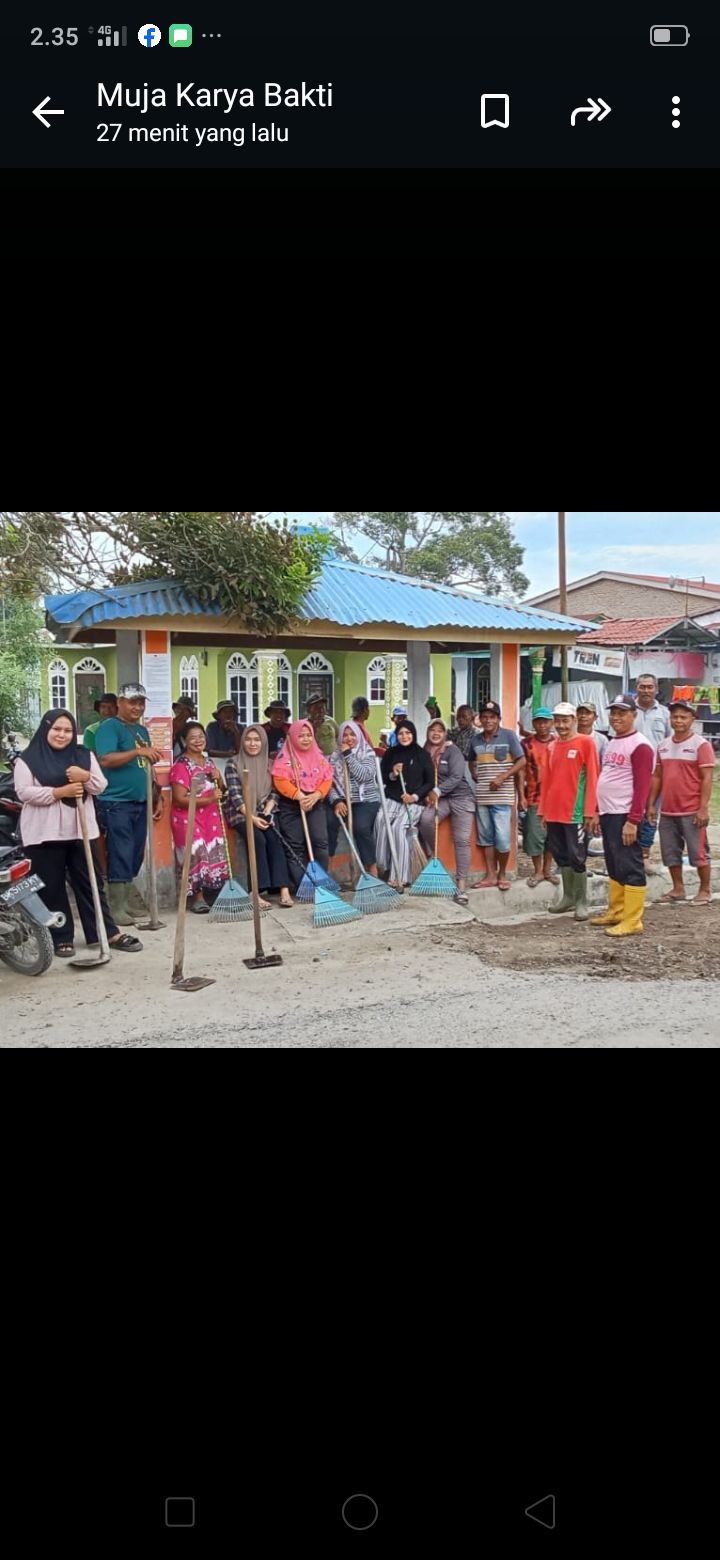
column 398, row 714
column 462, row 733
column 536, row 749
column 105, row 707
column 684, row 775
column 325, row 728
column 183, row 711
column 622, row 793
column 277, row 724
column 495, row 758
column 586, row 718
column 223, row 733
column 567, row 807
column 123, row 747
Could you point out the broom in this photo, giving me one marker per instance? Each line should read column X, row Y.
column 233, row 903
column 330, row 910
column 434, row 878
column 371, row 896
column 418, row 859
column 315, row 875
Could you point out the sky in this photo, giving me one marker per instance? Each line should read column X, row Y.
column 635, row 542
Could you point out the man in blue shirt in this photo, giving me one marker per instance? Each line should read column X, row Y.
column 123, row 749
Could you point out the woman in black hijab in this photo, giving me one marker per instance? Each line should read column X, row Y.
column 408, row 777
column 50, row 779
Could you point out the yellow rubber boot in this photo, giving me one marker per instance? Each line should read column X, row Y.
column 616, row 907
column 632, row 920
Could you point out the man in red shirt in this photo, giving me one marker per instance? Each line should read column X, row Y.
column 684, row 777
column 567, row 805
column 529, row 783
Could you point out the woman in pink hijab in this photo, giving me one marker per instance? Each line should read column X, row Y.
column 302, row 777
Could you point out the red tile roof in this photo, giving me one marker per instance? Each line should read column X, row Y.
column 627, row 631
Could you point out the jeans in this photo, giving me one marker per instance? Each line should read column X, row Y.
column 126, row 825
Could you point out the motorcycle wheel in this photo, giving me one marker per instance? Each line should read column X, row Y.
column 35, row 954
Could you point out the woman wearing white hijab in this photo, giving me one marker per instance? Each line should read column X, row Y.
column 354, row 758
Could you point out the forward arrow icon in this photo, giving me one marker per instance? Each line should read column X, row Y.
column 593, row 112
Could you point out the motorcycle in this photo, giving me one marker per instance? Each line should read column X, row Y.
column 25, row 941
column 10, row 808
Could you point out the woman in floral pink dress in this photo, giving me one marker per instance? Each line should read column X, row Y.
column 208, row 866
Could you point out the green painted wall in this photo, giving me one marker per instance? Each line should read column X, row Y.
column 106, row 655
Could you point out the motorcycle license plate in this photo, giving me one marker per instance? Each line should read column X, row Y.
column 21, row 889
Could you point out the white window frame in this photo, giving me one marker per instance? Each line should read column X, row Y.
column 58, row 668
column 237, row 667
column 377, row 668
column 190, row 679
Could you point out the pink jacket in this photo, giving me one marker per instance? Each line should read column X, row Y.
column 44, row 819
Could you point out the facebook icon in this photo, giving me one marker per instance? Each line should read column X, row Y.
column 149, row 35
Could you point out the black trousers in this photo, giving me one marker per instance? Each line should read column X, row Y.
column 625, row 863
column 290, row 821
column 56, row 861
column 568, row 843
column 272, row 862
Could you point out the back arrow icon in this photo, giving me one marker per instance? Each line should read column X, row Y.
column 42, row 109
column 593, row 111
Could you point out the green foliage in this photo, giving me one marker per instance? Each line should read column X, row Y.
column 20, row 651
column 256, row 569
column 463, row 548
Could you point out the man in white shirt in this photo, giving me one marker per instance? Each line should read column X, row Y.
column 652, row 720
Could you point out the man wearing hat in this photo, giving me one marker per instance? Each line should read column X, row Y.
column 277, row 724
column 123, row 748
column 536, row 749
column 223, row 733
column 684, row 775
column 398, row 714
column 567, row 807
column 105, row 707
column 622, row 793
column 183, row 711
column 495, row 758
column 325, row 728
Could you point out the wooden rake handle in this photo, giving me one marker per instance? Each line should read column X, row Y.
column 294, row 763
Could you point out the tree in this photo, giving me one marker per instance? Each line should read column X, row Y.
column 253, row 567
column 20, row 649
column 454, row 549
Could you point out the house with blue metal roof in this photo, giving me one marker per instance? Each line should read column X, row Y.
column 362, row 630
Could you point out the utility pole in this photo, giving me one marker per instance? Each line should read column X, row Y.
column 563, row 599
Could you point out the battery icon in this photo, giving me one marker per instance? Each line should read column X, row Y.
column 669, row 37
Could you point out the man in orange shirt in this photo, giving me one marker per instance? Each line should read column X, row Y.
column 568, row 802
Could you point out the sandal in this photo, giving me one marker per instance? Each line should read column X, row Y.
column 126, row 943
column 200, row 909
column 534, row 882
column 64, row 951
column 504, row 885
column 700, row 901
column 673, row 899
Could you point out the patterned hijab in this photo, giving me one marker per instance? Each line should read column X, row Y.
column 361, row 750
column 436, row 750
column 312, row 766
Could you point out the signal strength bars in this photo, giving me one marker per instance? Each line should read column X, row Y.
column 111, row 39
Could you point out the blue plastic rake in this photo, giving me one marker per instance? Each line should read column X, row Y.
column 435, row 880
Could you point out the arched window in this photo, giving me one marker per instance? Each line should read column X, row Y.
column 285, row 680
column 90, row 682
column 316, row 675
column 190, row 678
column 237, row 685
column 58, row 683
column 376, row 681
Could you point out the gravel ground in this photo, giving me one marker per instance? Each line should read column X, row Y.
column 428, row 975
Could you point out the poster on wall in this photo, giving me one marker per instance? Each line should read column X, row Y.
column 593, row 659
column 157, row 674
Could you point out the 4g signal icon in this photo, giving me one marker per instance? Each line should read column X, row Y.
column 110, row 37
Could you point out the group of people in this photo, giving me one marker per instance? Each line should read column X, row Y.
column 312, row 778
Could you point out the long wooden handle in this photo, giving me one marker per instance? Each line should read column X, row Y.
column 99, row 917
column 196, row 785
column 351, row 843
column 152, row 870
column 252, row 858
column 293, row 761
column 437, row 815
column 388, row 830
column 348, row 798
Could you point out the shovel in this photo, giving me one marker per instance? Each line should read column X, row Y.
column 193, row 982
column 104, row 955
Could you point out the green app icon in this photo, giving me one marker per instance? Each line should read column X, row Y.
column 180, row 35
